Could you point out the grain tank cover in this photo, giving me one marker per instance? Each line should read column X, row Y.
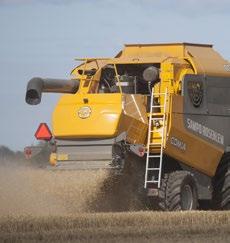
column 203, row 58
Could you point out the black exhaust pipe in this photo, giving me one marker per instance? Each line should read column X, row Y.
column 36, row 86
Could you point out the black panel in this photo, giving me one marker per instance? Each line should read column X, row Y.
column 207, row 107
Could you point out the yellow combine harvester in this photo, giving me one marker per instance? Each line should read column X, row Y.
column 168, row 104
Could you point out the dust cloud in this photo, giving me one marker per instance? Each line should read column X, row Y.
column 34, row 191
column 30, row 190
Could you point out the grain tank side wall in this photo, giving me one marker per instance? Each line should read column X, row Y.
column 187, row 147
column 151, row 50
column 207, row 61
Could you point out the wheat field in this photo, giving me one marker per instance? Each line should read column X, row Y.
column 72, row 206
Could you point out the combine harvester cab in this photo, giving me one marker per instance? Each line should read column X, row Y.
column 168, row 104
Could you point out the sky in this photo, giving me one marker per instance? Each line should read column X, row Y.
column 42, row 38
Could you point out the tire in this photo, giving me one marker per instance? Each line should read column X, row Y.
column 221, row 185
column 178, row 192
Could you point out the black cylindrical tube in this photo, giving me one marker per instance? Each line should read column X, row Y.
column 36, row 86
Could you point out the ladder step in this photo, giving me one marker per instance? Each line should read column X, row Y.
column 154, row 156
column 157, row 106
column 159, row 93
column 153, row 168
column 154, row 181
column 157, row 118
column 152, row 131
column 155, row 144
column 156, row 114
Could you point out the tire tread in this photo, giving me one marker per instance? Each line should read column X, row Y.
column 170, row 191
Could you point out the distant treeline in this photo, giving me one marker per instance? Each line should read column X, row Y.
column 8, row 156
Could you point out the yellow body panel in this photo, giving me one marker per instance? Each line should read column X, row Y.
column 149, row 50
column 207, row 61
column 101, row 122
column 134, row 118
column 110, row 115
column 198, row 153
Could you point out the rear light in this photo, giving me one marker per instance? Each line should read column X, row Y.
column 28, row 152
column 43, row 132
column 141, row 151
column 53, row 147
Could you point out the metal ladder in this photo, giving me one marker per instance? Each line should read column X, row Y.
column 154, row 161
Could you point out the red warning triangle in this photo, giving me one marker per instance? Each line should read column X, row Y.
column 43, row 132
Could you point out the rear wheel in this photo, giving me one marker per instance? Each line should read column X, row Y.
column 178, row 192
column 221, row 185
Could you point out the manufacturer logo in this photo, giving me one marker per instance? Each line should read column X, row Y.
column 195, row 91
column 205, row 131
column 84, row 112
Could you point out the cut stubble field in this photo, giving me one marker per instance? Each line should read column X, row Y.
column 119, row 227
column 69, row 206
